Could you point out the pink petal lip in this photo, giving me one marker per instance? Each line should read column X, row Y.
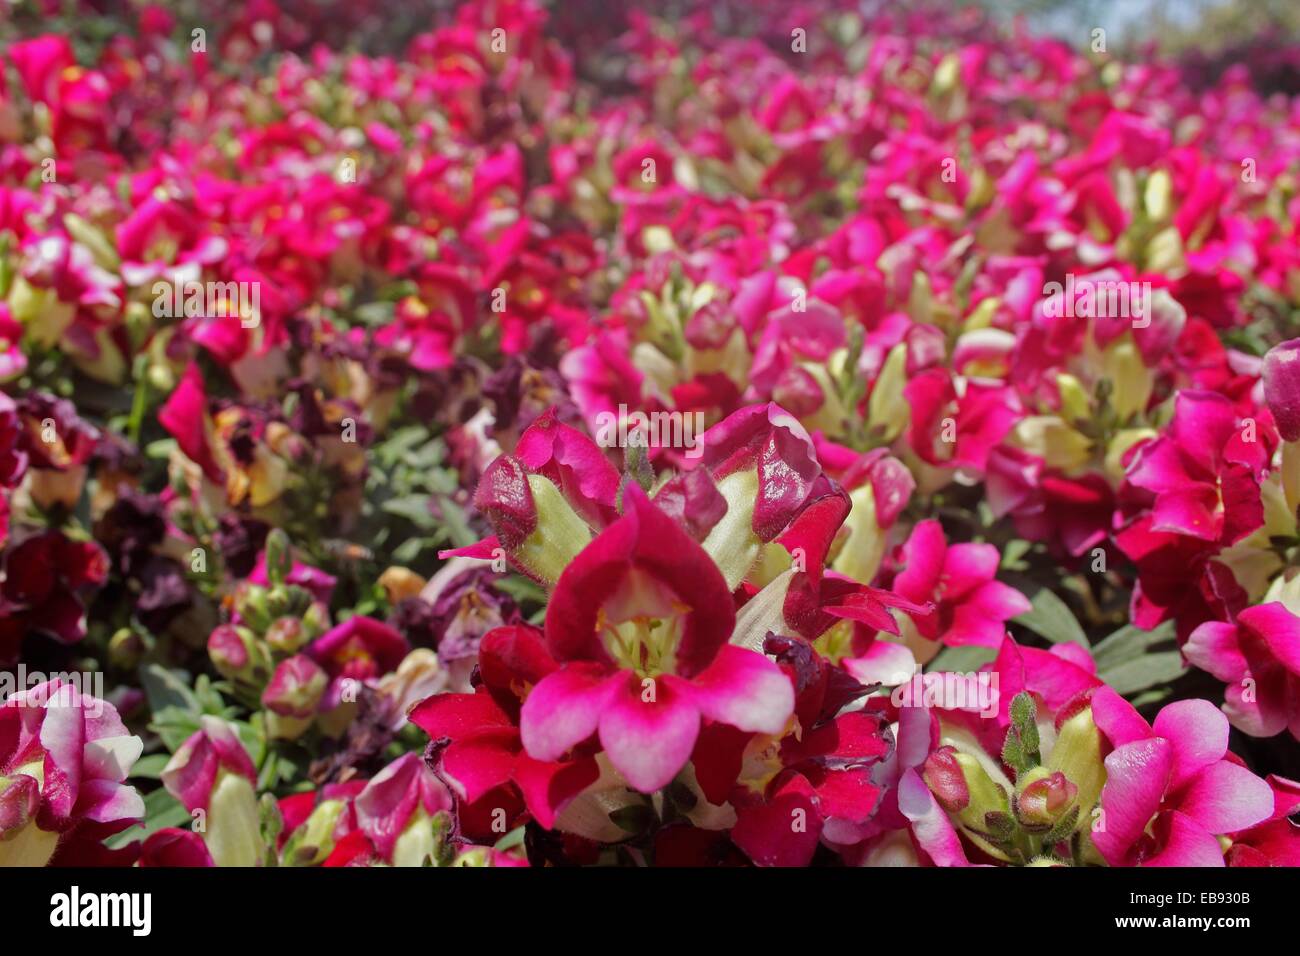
column 564, row 709
column 1137, row 776
column 648, row 740
column 1117, row 719
column 930, row 824
column 1282, row 387
column 1185, row 843
column 1198, row 733
column 1279, row 629
column 1213, row 647
column 741, row 688
column 1225, row 797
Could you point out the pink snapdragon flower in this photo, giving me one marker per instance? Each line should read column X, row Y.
column 1276, row 840
column 475, row 741
column 971, row 607
column 395, row 810
column 212, row 775
column 1204, row 472
column 1172, row 788
column 639, row 622
column 1258, row 657
column 64, row 760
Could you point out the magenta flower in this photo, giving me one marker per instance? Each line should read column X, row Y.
column 1258, row 657
column 1276, row 840
column 958, row 429
column 360, row 649
column 172, row 847
column 1171, row 787
column 970, row 606
column 47, row 581
column 1282, row 387
column 64, row 760
column 212, row 775
column 639, row 622
column 1204, row 473
column 396, row 808
column 476, row 741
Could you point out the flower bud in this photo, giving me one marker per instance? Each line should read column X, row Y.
column 313, row 841
column 398, row 810
column 251, row 606
column 286, row 635
column 1077, row 753
column 279, row 556
column 1043, row 798
column 978, row 804
column 125, row 648
column 293, row 695
column 1282, row 387
column 212, row 772
column 316, row 619
column 505, row 497
column 236, row 655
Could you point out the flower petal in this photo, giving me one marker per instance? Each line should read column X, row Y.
column 564, row 710
column 1226, row 797
column 742, row 688
column 648, row 738
column 1198, row 733
column 1137, row 775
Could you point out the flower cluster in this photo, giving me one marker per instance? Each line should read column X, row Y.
column 742, row 434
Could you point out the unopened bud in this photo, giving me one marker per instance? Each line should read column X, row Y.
column 293, row 695
column 235, row 653
column 125, row 648
column 1077, row 753
column 286, row 635
column 1043, row 798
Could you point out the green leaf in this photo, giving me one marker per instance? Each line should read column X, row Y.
column 166, row 688
column 1137, row 674
column 150, row 767
column 174, row 725
column 964, row 659
column 1013, row 556
column 409, row 550
column 1129, row 643
column 523, row 590
column 1050, row 617
column 511, row 840
column 414, row 508
column 453, row 516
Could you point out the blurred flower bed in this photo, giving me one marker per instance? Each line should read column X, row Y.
column 702, row 434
